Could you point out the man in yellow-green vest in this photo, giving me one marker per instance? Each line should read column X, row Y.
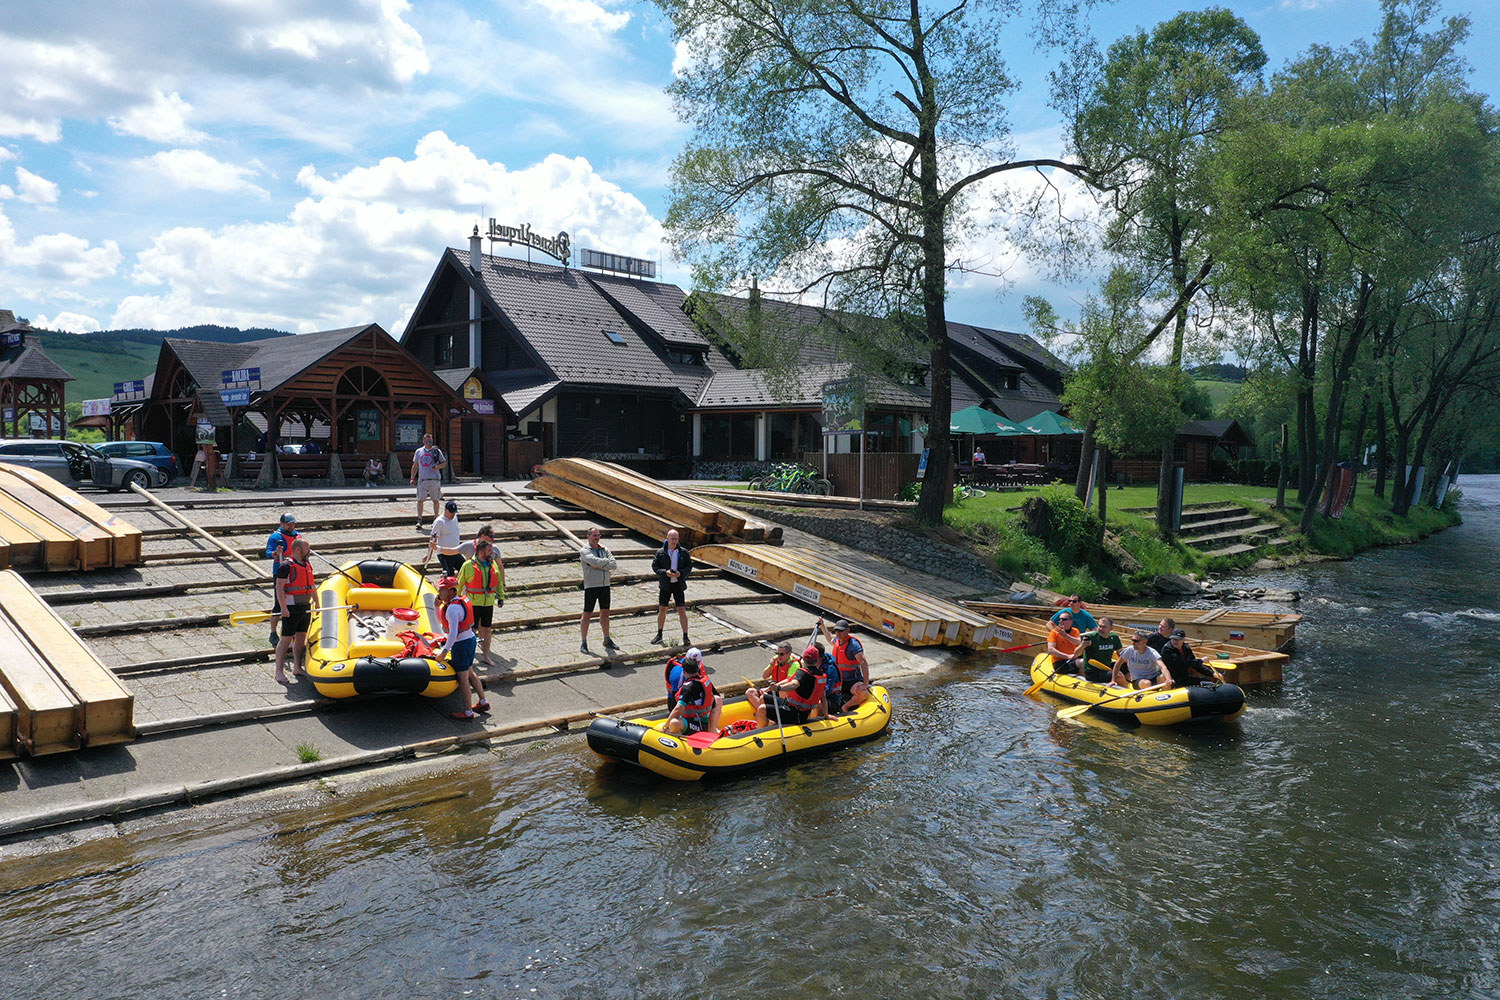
column 482, row 580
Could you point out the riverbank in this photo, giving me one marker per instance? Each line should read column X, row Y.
column 985, row 540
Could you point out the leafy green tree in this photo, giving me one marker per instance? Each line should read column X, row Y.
column 835, row 144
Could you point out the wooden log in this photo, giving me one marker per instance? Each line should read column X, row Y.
column 635, row 519
column 723, row 520
column 181, row 519
column 126, row 549
column 47, row 712
column 94, row 546
column 638, row 492
column 106, row 708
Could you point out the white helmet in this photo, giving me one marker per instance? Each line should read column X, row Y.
column 693, row 654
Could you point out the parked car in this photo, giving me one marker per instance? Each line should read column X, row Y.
column 79, row 464
column 154, row 452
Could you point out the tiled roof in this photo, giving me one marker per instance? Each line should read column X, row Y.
column 29, row 361
column 754, row 388
column 653, row 304
column 1215, row 429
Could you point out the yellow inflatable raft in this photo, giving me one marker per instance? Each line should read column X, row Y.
column 1205, row 703
column 354, row 650
column 645, row 742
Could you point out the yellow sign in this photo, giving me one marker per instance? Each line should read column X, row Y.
column 472, row 389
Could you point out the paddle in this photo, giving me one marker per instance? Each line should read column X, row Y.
column 1017, row 649
column 1222, row 664
column 364, row 622
column 1072, row 711
column 775, row 697
column 251, row 617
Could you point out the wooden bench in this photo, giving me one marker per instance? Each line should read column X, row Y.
column 311, row 466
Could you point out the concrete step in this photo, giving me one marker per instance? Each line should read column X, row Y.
column 1231, row 550
column 1194, row 513
column 1199, row 528
column 1237, row 534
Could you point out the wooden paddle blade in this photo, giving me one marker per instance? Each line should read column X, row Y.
column 249, row 617
column 1072, row 711
column 1034, row 688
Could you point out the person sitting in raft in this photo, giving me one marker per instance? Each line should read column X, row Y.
column 697, row 705
column 1162, row 637
column 1068, row 647
column 781, row 666
column 1139, row 666
column 1186, row 669
column 1104, row 647
column 680, row 670
column 457, row 617
column 1082, row 620
column 796, row 699
column 849, row 658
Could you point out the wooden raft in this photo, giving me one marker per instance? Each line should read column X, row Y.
column 883, row 607
column 1252, row 666
column 64, row 698
column 642, row 504
column 1257, row 629
column 46, row 525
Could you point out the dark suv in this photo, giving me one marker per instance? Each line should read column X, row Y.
column 154, row 452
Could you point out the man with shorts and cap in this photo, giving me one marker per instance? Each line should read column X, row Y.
column 427, row 465
column 295, row 588
column 795, row 699
column 481, row 579
column 457, row 617
column 1139, row 666
column 278, row 546
column 446, row 540
column 1186, row 669
column 695, row 705
column 852, row 685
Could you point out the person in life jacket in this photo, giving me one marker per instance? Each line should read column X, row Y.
column 795, row 700
column 278, row 550
column 853, row 669
column 782, row 665
column 295, row 588
column 481, row 579
column 457, row 617
column 696, row 706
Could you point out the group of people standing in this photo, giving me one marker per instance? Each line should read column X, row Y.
column 1153, row 659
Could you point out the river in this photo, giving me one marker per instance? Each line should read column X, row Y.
column 1337, row 842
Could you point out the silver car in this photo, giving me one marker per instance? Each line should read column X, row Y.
column 79, row 464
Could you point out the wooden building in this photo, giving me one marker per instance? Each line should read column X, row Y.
column 1200, row 447
column 371, row 395
column 33, row 387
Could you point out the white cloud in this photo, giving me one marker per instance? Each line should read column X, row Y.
column 57, row 257
column 68, row 322
column 35, row 189
column 362, row 244
column 585, row 14
column 192, row 168
column 6, row 154
column 163, row 119
column 6, row 191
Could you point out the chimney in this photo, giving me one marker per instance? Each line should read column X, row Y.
column 475, row 318
column 475, row 257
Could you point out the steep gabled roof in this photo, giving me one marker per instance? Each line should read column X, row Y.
column 1216, row 429
column 654, row 305
column 28, row 361
column 752, row 388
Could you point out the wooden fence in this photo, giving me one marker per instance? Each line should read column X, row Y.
column 885, row 472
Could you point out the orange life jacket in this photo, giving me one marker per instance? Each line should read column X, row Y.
column 468, row 621
column 299, row 580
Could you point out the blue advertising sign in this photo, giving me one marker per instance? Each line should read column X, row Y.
column 922, row 464
column 235, row 397
column 237, row 376
column 132, row 388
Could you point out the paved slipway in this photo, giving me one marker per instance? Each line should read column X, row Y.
column 184, row 665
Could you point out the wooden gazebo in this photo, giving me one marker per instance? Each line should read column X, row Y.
column 31, row 383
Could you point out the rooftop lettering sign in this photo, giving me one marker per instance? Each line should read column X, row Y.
column 554, row 246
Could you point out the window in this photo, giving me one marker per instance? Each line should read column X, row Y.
column 683, row 356
column 1011, row 381
column 614, row 338
column 443, row 350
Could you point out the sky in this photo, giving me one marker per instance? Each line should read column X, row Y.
column 301, row 164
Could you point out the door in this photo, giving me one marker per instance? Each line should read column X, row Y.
column 473, row 441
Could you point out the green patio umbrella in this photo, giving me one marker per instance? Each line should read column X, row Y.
column 977, row 420
column 1049, row 424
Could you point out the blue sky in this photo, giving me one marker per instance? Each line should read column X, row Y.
column 301, row 164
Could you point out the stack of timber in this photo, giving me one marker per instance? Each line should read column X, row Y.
column 1252, row 666
column 1257, row 629
column 883, row 607
column 642, row 504
column 57, row 696
column 46, row 525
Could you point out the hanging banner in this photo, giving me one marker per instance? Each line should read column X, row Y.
column 96, row 407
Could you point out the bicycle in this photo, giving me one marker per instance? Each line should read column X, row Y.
column 791, row 478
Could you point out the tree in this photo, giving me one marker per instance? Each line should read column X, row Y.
column 1145, row 122
column 834, row 145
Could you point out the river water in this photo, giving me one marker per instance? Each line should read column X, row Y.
column 1336, row 842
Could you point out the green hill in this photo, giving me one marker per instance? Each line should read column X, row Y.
column 97, row 371
column 1218, row 392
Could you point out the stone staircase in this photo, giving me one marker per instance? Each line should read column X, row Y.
column 1223, row 529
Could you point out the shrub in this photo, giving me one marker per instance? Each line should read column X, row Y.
column 1059, row 519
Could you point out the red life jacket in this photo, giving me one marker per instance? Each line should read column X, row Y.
column 484, row 581
column 696, row 709
column 468, row 621
column 781, row 671
column 299, row 580
column 666, row 674
column 846, row 663
column 792, row 697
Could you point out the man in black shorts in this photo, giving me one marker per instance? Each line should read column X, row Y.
column 673, row 565
column 295, row 588
column 794, row 700
column 598, row 563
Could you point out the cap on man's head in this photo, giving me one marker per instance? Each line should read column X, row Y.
column 451, row 505
column 841, row 626
column 448, row 583
column 1179, row 634
column 693, row 654
column 288, row 518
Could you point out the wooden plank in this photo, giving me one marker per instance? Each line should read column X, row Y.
column 59, row 549
column 4, row 552
column 181, row 519
column 637, row 491
column 726, row 520
column 618, row 511
column 22, row 547
column 95, row 546
column 107, row 708
column 47, row 712
column 817, row 569
column 1211, row 616
column 10, row 728
column 127, row 537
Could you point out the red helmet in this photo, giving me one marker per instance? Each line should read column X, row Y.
column 447, row 582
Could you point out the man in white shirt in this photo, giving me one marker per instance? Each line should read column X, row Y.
column 446, row 540
column 427, row 465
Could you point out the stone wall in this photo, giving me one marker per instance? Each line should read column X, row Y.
column 881, row 534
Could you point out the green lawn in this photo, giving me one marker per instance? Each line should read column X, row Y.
column 1218, row 391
